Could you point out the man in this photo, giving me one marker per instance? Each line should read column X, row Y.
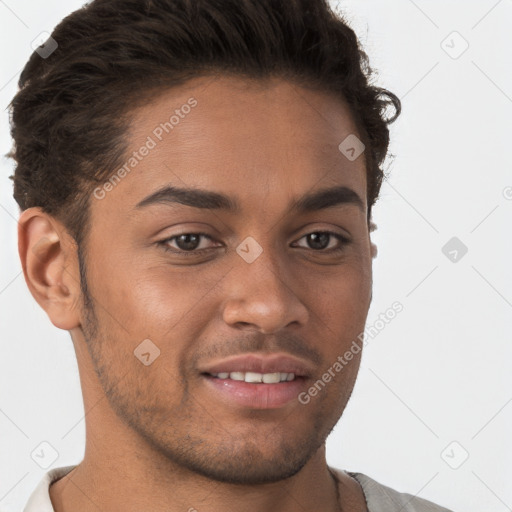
column 196, row 181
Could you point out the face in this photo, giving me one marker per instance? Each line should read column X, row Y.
column 177, row 288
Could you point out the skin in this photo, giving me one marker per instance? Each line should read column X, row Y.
column 156, row 438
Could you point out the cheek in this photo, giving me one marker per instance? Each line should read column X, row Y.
column 165, row 299
column 145, row 298
column 342, row 297
column 142, row 316
column 341, row 307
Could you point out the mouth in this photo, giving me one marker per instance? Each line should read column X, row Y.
column 255, row 377
column 257, row 381
column 255, row 390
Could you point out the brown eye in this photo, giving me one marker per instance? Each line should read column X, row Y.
column 186, row 243
column 319, row 241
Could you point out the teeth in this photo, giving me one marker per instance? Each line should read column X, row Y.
column 271, row 378
column 254, row 377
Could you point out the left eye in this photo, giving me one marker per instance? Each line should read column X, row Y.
column 189, row 243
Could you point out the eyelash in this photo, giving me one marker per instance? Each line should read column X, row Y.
column 164, row 243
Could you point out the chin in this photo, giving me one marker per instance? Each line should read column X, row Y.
column 256, row 472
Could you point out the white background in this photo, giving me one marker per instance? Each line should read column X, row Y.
column 440, row 371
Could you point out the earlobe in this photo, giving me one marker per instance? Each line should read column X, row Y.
column 373, row 250
column 373, row 247
column 50, row 267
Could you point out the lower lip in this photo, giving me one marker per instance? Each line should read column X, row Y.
column 256, row 396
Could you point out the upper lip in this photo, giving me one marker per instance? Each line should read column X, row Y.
column 261, row 364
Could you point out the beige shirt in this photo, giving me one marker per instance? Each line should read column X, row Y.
column 379, row 498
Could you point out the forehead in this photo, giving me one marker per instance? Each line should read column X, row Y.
column 249, row 139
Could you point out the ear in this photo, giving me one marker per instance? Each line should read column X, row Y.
column 49, row 260
column 373, row 247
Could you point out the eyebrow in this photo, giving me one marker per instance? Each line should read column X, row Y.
column 208, row 199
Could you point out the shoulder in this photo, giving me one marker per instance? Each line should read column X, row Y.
column 380, row 498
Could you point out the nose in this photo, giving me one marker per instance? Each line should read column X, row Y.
column 263, row 295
